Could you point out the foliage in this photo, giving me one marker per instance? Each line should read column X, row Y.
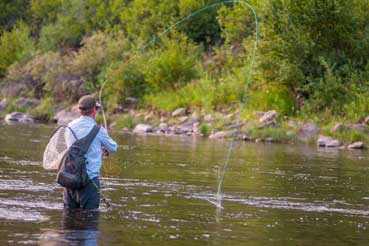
column 311, row 58
column 204, row 130
column 11, row 12
column 98, row 51
column 313, row 45
column 15, row 45
column 171, row 65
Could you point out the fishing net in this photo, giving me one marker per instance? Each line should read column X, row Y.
column 57, row 147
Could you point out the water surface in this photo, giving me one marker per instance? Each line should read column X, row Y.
column 161, row 191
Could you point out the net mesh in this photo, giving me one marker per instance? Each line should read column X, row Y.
column 56, row 148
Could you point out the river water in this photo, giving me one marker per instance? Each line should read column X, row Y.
column 161, row 191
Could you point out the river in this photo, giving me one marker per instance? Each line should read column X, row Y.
column 160, row 190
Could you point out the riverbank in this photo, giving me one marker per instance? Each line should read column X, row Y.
column 256, row 126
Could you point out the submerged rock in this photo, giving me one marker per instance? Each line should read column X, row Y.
column 329, row 142
column 17, row 117
column 142, row 128
column 356, row 145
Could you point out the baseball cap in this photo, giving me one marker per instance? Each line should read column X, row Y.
column 88, row 102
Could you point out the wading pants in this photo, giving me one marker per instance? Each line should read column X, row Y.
column 86, row 198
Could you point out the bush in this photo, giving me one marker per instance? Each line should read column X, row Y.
column 204, row 130
column 15, row 46
column 302, row 37
column 173, row 64
column 98, row 51
column 125, row 80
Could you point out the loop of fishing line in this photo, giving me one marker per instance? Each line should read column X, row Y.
column 248, row 78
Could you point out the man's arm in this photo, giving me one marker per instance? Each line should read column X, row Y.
column 109, row 144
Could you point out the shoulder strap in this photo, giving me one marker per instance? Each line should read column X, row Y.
column 90, row 137
column 70, row 129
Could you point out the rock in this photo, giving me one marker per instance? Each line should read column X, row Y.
column 328, row 142
column 268, row 116
column 149, row 117
column 142, row 128
column 258, row 113
column 64, row 117
column 17, row 117
column 228, row 116
column 27, row 102
column 208, row 118
column 163, row 128
column 307, row 131
column 182, row 119
column 338, row 127
column 269, row 140
column 356, row 145
column 271, row 123
column 178, row 112
column 292, row 124
column 259, row 140
column 217, row 135
column 359, row 127
column 11, row 89
column 163, row 119
column 3, row 104
column 367, row 120
column 195, row 128
column 129, row 104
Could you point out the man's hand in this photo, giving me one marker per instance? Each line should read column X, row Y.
column 104, row 151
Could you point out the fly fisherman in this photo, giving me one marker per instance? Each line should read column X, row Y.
column 88, row 197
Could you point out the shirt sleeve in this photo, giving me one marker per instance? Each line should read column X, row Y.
column 107, row 141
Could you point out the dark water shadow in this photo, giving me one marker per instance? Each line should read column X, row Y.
column 77, row 227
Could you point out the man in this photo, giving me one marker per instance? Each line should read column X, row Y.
column 88, row 197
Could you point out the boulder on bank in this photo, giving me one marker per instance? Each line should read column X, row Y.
column 356, row 127
column 142, row 128
column 268, row 116
column 367, row 120
column 329, row 142
column 221, row 134
column 64, row 117
column 178, row 112
column 356, row 145
column 307, row 131
column 17, row 117
column 24, row 102
column 3, row 104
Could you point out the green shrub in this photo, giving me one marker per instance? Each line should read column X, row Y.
column 173, row 64
column 15, row 46
column 302, row 37
column 125, row 80
column 98, row 51
column 203, row 27
column 204, row 130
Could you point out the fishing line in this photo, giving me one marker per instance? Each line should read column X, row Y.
column 243, row 98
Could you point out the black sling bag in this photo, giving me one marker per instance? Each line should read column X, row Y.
column 72, row 170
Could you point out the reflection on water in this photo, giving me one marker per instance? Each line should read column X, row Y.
column 162, row 190
column 78, row 227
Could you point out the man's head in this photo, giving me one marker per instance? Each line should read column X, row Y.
column 87, row 106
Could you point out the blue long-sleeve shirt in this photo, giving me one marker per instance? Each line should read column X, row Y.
column 81, row 127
